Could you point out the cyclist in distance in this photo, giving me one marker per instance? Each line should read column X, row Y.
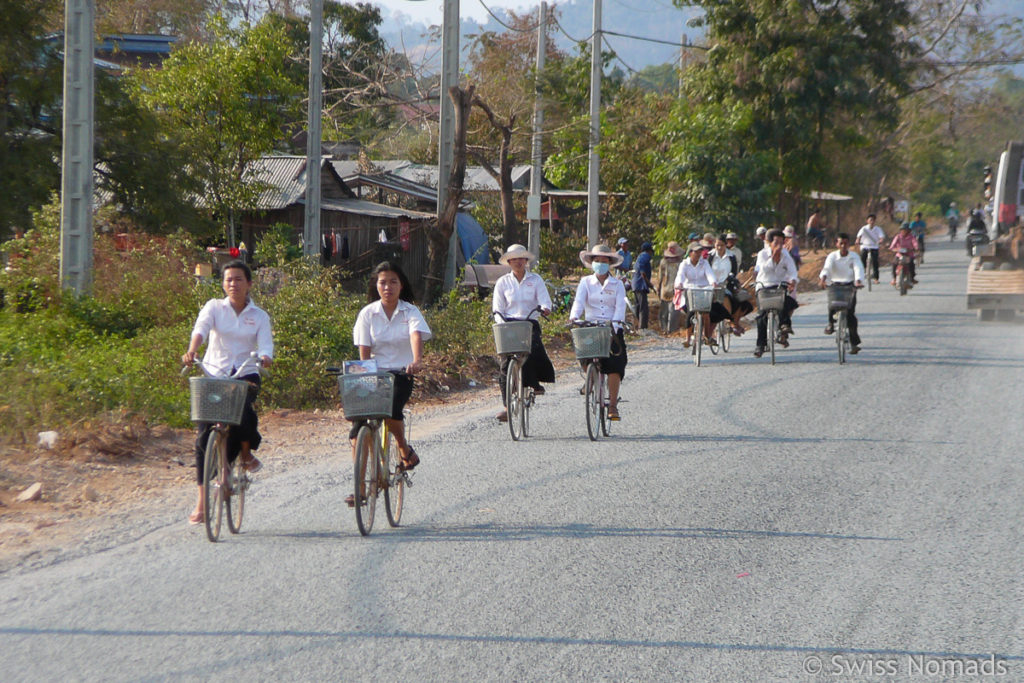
column 842, row 267
column 234, row 327
column 919, row 229
column 391, row 330
column 601, row 297
column 870, row 237
column 904, row 240
column 517, row 295
column 775, row 268
column 726, row 267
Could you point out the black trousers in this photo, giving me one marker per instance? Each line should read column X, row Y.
column 247, row 430
column 643, row 315
column 536, row 369
column 785, row 318
column 851, row 320
column 873, row 274
column 402, row 391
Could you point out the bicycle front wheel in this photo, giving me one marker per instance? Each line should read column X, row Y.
column 366, row 479
column 514, row 399
column 593, row 401
column 698, row 338
column 724, row 336
column 213, row 466
column 394, row 490
column 773, row 330
column 904, row 281
column 234, row 495
column 841, row 338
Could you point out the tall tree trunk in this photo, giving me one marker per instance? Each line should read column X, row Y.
column 437, row 249
column 511, row 232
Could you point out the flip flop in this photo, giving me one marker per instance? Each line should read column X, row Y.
column 196, row 518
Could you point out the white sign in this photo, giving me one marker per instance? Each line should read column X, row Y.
column 902, row 206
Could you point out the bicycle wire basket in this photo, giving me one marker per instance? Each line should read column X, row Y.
column 513, row 337
column 217, row 400
column 840, row 296
column 771, row 299
column 366, row 396
column 592, row 342
column 699, row 300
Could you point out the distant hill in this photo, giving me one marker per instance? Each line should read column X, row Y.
column 647, row 18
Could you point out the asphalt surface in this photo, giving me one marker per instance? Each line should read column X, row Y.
column 743, row 523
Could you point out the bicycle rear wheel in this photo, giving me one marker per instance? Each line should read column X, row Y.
column 841, row 338
column 365, row 478
column 593, row 401
column 393, row 477
column 514, row 398
column 773, row 330
column 234, row 496
column 214, row 458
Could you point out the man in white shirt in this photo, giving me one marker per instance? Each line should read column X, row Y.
column 730, row 246
column 775, row 268
column 869, row 237
column 842, row 267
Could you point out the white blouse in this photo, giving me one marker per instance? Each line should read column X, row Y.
column 515, row 299
column 699, row 276
column 232, row 336
column 390, row 340
column 597, row 302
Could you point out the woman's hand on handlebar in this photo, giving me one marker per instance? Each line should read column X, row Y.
column 266, row 361
column 188, row 358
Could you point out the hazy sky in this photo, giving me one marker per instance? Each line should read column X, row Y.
column 431, row 11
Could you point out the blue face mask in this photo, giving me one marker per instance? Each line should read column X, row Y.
column 600, row 267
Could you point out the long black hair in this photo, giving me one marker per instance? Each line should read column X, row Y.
column 385, row 267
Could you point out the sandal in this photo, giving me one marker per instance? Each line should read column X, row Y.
column 613, row 414
column 410, row 459
column 350, row 500
column 196, row 518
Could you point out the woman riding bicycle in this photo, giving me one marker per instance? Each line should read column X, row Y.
column 726, row 267
column 696, row 273
column 516, row 296
column 391, row 330
column 602, row 298
column 235, row 327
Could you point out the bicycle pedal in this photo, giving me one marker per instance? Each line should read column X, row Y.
column 407, row 479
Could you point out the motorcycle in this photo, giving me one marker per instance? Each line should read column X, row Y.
column 903, row 282
column 975, row 239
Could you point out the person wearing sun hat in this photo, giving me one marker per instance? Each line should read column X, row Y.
column 730, row 245
column 668, row 316
column 601, row 297
column 791, row 246
column 516, row 296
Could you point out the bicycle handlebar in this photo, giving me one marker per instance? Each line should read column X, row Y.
column 253, row 361
column 505, row 318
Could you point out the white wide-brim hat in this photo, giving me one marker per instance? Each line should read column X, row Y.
column 516, row 251
column 600, row 250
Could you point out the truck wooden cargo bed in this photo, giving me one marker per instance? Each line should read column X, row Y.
column 994, row 290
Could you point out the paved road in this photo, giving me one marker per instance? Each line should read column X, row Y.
column 745, row 522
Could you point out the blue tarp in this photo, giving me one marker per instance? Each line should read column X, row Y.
column 472, row 238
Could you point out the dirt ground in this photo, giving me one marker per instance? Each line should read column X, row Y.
column 106, row 469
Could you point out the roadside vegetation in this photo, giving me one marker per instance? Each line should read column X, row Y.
column 876, row 99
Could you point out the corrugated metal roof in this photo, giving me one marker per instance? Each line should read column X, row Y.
column 284, row 178
column 347, row 167
column 477, row 179
column 363, row 207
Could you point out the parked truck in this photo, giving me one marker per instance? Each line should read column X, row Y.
column 995, row 277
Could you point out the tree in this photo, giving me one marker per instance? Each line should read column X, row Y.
column 225, row 104
column 712, row 178
column 808, row 70
column 30, row 92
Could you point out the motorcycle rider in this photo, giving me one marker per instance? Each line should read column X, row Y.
column 977, row 231
column 904, row 239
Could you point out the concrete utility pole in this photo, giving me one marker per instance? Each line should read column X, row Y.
column 449, row 79
column 534, row 201
column 593, row 172
column 311, row 225
column 77, row 150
